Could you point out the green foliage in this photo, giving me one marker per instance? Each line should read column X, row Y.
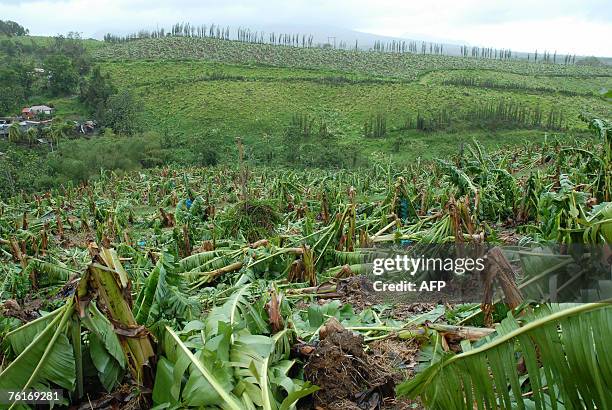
column 376, row 126
column 44, row 353
column 96, row 91
column 73, row 47
column 15, row 283
column 163, row 296
column 63, row 76
column 59, row 130
column 15, row 135
column 11, row 28
column 21, row 169
column 16, row 83
column 202, row 150
column 221, row 361
column 472, row 82
column 252, row 219
column 123, row 113
column 104, row 348
column 79, row 160
column 564, row 352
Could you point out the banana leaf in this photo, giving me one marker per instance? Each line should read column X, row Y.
column 565, row 351
column 220, row 363
column 206, row 377
column 104, row 348
column 199, row 259
column 44, row 353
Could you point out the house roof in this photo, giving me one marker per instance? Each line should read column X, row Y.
column 26, row 109
column 40, row 108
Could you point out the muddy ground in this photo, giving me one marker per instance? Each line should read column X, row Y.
column 355, row 375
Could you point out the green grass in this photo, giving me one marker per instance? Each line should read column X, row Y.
column 69, row 108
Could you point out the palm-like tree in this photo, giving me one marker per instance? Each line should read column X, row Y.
column 15, row 135
column 31, row 135
column 59, row 129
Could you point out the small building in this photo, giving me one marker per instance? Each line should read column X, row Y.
column 41, row 109
column 31, row 112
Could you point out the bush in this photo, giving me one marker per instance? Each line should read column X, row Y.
column 80, row 160
column 21, row 170
column 63, row 76
column 123, row 113
column 255, row 219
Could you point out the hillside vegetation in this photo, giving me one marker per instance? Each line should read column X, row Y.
column 302, row 107
column 194, row 86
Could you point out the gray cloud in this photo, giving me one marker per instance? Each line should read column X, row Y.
column 519, row 24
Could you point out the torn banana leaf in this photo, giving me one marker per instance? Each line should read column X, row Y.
column 45, row 354
column 566, row 354
column 104, row 348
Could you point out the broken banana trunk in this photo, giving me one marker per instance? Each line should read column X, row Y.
column 49, row 349
column 107, row 282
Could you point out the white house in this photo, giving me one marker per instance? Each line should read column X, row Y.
column 41, row 109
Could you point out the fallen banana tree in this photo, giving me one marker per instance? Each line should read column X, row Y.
column 225, row 361
column 96, row 322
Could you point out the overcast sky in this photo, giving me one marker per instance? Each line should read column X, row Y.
column 569, row 26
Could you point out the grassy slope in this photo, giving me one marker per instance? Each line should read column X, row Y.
column 195, row 85
column 261, row 100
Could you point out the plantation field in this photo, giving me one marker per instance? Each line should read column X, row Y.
column 407, row 66
column 237, row 288
column 591, row 86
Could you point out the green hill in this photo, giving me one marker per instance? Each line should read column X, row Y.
column 220, row 89
column 194, row 97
